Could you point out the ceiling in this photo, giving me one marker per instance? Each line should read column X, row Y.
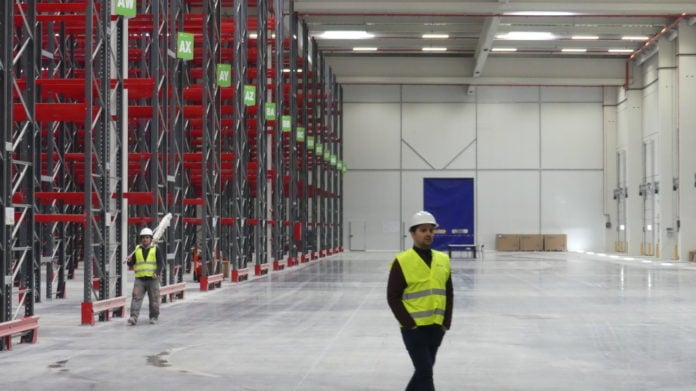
column 475, row 28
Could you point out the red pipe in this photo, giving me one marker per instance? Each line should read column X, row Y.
column 648, row 43
column 403, row 14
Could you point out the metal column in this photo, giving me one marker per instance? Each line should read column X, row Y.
column 240, row 192
column 102, row 155
column 210, row 182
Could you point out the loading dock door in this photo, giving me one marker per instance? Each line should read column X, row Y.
column 451, row 201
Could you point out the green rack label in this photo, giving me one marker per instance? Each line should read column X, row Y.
column 299, row 136
column 286, row 123
column 270, row 111
column 319, row 149
column 332, row 159
column 327, row 154
column 126, row 8
column 310, row 143
column 224, row 75
column 249, row 95
column 184, row 46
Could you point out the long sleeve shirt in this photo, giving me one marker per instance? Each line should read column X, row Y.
column 395, row 290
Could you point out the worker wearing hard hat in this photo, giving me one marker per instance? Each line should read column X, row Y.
column 148, row 263
column 420, row 295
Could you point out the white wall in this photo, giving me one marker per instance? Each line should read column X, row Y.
column 536, row 154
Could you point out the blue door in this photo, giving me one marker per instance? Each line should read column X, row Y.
column 451, row 201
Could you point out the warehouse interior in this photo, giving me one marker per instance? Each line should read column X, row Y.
column 280, row 147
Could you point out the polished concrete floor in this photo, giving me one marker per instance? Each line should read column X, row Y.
column 522, row 321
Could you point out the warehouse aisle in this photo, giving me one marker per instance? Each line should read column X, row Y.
column 522, row 321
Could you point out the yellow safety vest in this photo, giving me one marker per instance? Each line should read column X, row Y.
column 145, row 267
column 425, row 296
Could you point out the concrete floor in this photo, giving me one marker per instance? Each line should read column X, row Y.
column 522, row 321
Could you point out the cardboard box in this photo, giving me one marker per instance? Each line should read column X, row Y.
column 226, row 268
column 555, row 242
column 531, row 243
column 506, row 242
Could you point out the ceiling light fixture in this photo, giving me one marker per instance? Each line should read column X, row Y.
column 435, row 49
column 584, row 37
column 635, row 38
column 574, row 50
column 504, row 50
column 527, row 36
column 364, row 49
column 435, row 36
column 620, row 50
column 341, row 34
column 541, row 13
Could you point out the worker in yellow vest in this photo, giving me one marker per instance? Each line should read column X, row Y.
column 148, row 263
column 420, row 295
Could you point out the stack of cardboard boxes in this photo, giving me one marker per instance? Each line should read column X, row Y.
column 518, row 242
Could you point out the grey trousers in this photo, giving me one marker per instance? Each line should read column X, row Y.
column 152, row 287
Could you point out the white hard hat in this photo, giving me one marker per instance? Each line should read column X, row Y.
column 146, row 232
column 422, row 217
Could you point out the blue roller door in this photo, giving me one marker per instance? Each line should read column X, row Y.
column 451, row 201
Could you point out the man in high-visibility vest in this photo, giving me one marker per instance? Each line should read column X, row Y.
column 148, row 263
column 420, row 295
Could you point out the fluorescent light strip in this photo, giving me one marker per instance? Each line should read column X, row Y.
column 585, row 37
column 364, row 49
column 574, row 50
column 434, row 49
column 504, row 50
column 435, row 36
column 541, row 13
column 341, row 34
column 635, row 38
column 527, row 36
column 620, row 50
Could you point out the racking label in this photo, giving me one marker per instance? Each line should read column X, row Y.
column 127, row 8
column 300, row 135
column 270, row 111
column 310, row 143
column 184, row 46
column 9, row 216
column 224, row 75
column 249, row 95
column 286, row 123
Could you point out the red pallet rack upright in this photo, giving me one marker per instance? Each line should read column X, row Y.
column 260, row 213
column 240, row 192
column 155, row 126
column 210, row 146
column 103, row 162
column 19, row 244
column 278, row 211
